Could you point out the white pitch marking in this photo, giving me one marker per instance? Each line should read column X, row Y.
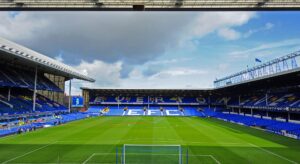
column 218, row 162
column 211, row 156
column 96, row 154
column 90, row 157
column 28, row 153
column 272, row 153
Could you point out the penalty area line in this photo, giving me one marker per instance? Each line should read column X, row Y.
column 210, row 156
column 272, row 153
column 200, row 155
column 32, row 151
column 95, row 154
column 90, row 157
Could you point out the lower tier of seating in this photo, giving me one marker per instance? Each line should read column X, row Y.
column 279, row 127
column 22, row 126
column 146, row 111
column 21, row 102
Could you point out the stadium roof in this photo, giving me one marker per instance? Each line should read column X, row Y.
column 150, row 5
column 284, row 80
column 163, row 92
column 10, row 51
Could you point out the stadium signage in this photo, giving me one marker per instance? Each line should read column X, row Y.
column 152, row 112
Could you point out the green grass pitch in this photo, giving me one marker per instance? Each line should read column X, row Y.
column 95, row 140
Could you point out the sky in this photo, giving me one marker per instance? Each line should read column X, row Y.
column 186, row 50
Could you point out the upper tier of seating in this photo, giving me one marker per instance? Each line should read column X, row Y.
column 15, row 78
column 146, row 100
column 21, row 102
column 278, row 101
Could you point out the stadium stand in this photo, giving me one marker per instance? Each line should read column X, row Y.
column 265, row 103
column 20, row 102
column 278, row 127
column 31, row 124
column 28, row 86
column 258, row 119
column 17, row 78
column 146, row 105
column 280, row 101
column 32, row 90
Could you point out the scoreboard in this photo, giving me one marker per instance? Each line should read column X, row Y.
column 77, row 101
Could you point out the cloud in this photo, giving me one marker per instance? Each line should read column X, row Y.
column 105, row 74
column 267, row 26
column 264, row 49
column 153, row 67
column 168, row 61
column 209, row 22
column 17, row 26
column 177, row 72
column 169, row 79
column 229, row 34
column 130, row 37
column 59, row 57
column 133, row 38
column 109, row 76
column 124, row 49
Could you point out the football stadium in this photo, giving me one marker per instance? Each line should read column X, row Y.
column 249, row 117
column 88, row 105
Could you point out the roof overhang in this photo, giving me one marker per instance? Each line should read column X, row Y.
column 286, row 79
column 17, row 54
column 151, row 92
column 151, row 5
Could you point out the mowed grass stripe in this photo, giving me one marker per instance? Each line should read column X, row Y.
column 77, row 141
column 42, row 137
column 259, row 153
column 216, row 145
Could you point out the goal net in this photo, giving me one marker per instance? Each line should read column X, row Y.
column 151, row 154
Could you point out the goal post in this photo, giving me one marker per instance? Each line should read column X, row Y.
column 151, row 154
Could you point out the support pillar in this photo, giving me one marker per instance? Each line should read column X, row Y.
column 118, row 102
column 178, row 106
column 70, row 95
column 209, row 102
column 34, row 90
column 240, row 105
column 8, row 96
column 148, row 102
column 266, row 99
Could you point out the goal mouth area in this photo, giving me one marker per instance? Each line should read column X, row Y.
column 148, row 153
